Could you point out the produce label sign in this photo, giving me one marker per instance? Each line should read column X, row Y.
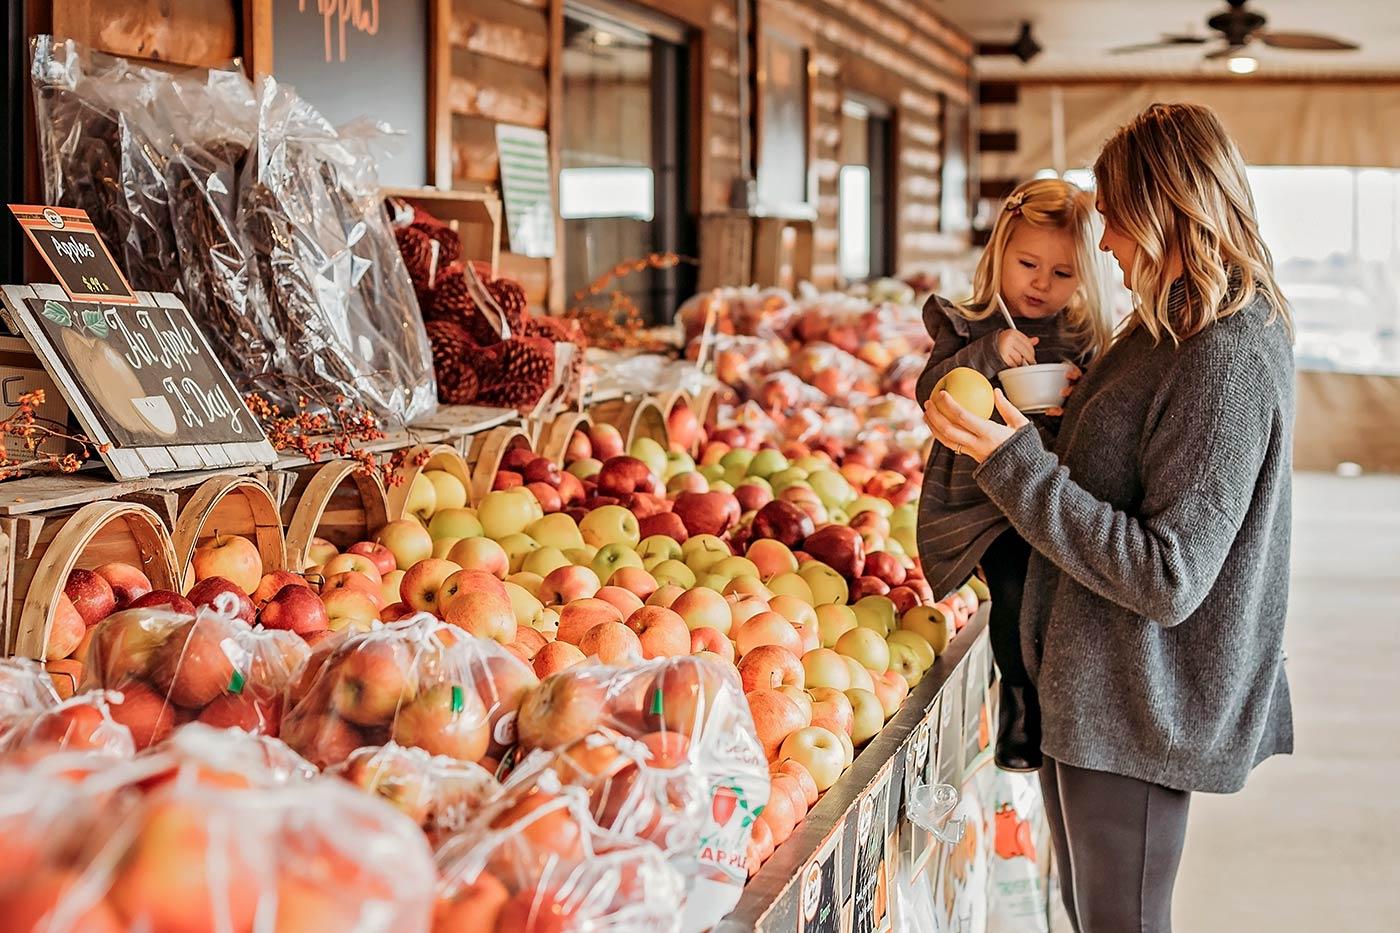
column 527, row 189
column 820, row 909
column 140, row 378
column 870, row 884
column 74, row 251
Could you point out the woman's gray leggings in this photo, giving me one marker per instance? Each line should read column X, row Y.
column 1118, row 843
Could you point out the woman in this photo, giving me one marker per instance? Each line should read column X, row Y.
column 1152, row 619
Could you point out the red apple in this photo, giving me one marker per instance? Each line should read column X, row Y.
column 663, row 523
column 709, row 513
column 422, row 581
column 578, row 448
column 752, row 496
column 542, row 470
column 208, row 592
column 904, row 599
column 839, row 547
column 555, row 657
column 621, row 476
column 783, row 522
column 517, row 458
column 885, row 566
column 295, row 608
column 660, row 631
column 606, row 440
column 66, row 630
column 444, row 720
column 198, row 661
column 770, row 667
column 644, row 504
column 868, row 586
column 767, row 628
column 91, row 595
column 775, row 717
column 232, row 557
column 562, row 709
column 127, row 582
column 371, row 682
column 484, row 615
column 165, row 599
column 273, row 581
column 570, row 489
column 507, row 479
column 713, row 641
column 577, row 617
column 612, row 643
column 547, row 496
column 383, row 558
column 682, row 427
column 564, row 585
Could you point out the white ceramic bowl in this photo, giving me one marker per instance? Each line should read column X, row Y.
column 1035, row 388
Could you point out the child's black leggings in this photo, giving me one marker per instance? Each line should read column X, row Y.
column 1005, row 566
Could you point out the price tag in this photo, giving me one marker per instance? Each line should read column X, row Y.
column 71, row 246
column 820, row 910
column 870, row 883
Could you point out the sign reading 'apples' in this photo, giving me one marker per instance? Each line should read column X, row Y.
column 141, row 379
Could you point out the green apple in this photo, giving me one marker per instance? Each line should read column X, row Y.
column 711, row 472
column 678, row 462
column 518, row 547
column 933, row 624
column 892, row 546
column 712, row 581
column 455, row 523
column 508, row 511
column 557, row 530
column 908, row 539
column 833, row 621
column 869, row 504
column 876, row 613
column 838, row 516
column 811, row 463
column 866, row 646
column 905, row 661
column 581, row 556
column 739, row 457
column 904, row 516
column 651, row 453
column 869, row 714
column 787, row 479
column 656, row 548
column 689, row 481
column 700, row 551
column 767, row 462
column 610, row 524
column 827, row 585
column 544, row 560
column 671, row 570
column 583, row 469
column 732, row 567
column 733, row 475
column 916, row 643
column 831, row 487
column 720, row 485
column 451, row 493
column 791, row 584
column 613, row 557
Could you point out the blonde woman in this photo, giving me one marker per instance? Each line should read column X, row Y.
column 1041, row 266
column 1154, row 605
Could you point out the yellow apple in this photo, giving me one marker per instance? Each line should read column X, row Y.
column 825, row 668
column 866, row 646
column 674, row 572
column 422, row 498
column 869, row 714
column 443, row 546
column 932, row 623
column 524, row 604
column 819, row 751
column 610, row 524
column 876, row 613
column 448, row 489
column 833, row 621
column 904, row 661
column 557, row 530
column 407, row 540
column 827, row 585
column 970, row 389
column 612, row 558
column 700, row 552
column 508, row 511
column 527, row 581
column 454, row 523
column 916, row 643
column 791, row 584
column 542, row 560
column 518, row 547
column 860, row 675
column 656, row 548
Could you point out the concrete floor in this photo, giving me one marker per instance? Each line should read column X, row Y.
column 1313, row 841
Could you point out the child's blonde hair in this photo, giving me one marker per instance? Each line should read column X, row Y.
column 1172, row 180
column 1050, row 204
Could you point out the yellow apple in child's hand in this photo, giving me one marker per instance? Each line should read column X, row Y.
column 970, row 389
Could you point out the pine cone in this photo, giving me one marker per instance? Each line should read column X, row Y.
column 524, row 371
column 417, row 250
column 511, row 297
column 452, row 352
column 449, row 243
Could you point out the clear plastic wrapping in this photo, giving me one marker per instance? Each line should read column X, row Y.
column 440, row 794
column 82, row 723
column 113, row 848
column 418, row 682
column 171, row 668
column 242, row 199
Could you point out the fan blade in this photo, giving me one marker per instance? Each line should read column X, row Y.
column 1224, row 52
column 1306, row 41
column 1166, row 42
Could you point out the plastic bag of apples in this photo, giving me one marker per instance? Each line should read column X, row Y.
column 418, row 682
column 157, row 844
column 438, row 793
column 35, row 723
column 173, row 667
column 534, row 860
column 666, row 752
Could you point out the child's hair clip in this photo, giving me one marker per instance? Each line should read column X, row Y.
column 1013, row 203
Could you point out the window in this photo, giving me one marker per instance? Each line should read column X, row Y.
column 625, row 154
column 864, row 249
column 783, row 100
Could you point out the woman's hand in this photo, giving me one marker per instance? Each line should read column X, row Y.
column 1015, row 348
column 1074, row 375
column 956, row 427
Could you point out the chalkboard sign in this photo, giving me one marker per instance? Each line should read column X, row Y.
column 362, row 58
column 141, row 378
column 69, row 243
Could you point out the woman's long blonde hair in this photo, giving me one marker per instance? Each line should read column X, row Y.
column 1050, row 204
column 1173, row 181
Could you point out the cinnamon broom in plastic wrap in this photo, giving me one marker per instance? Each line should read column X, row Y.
column 665, row 752
column 159, row 846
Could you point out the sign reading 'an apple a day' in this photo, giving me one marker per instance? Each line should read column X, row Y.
column 140, row 378
column 74, row 251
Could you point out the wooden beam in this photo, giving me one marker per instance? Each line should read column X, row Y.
column 996, row 141
column 555, row 299
column 498, row 90
column 440, row 127
column 994, row 189
column 502, row 29
column 998, row 92
column 202, row 33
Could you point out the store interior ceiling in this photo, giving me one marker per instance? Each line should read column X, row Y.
column 1076, row 37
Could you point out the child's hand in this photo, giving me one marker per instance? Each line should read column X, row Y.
column 1016, row 348
column 1073, row 376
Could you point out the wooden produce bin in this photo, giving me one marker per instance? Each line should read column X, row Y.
column 230, row 505
column 681, row 400
column 555, row 438
column 337, row 501
column 45, row 548
column 487, row 453
column 421, row 459
column 635, row 417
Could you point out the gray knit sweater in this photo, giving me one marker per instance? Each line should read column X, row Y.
column 1154, row 606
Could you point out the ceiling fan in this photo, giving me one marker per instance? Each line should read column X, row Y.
column 1239, row 27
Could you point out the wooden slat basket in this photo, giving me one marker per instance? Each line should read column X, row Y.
column 230, row 505
column 337, row 501
column 635, row 417
column 487, row 451
column 433, row 457
column 559, row 432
